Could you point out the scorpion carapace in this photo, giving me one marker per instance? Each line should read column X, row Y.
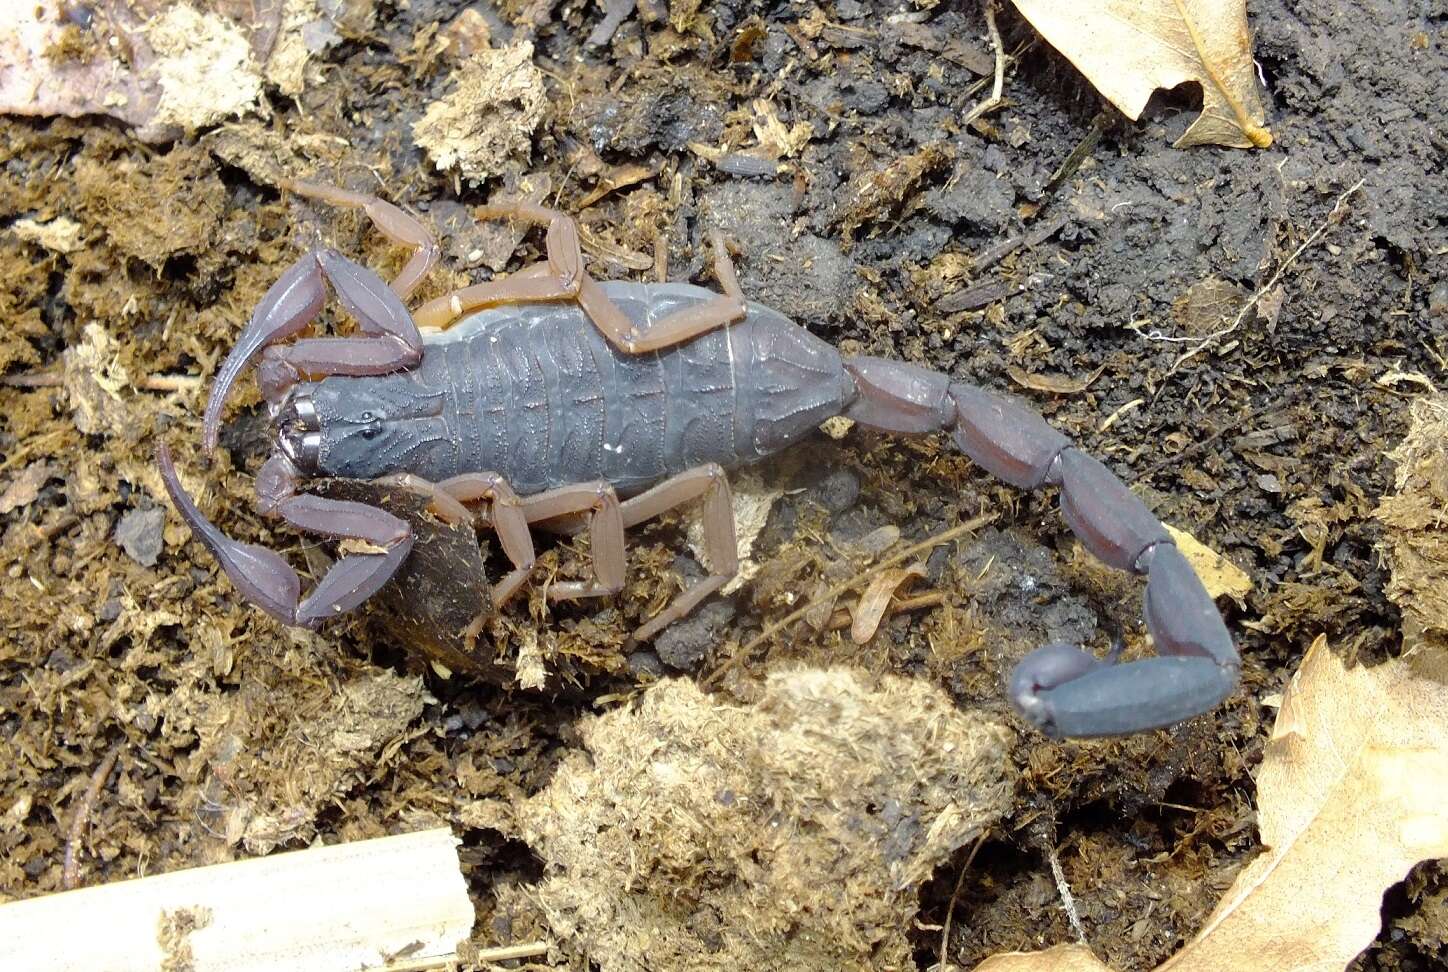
column 556, row 399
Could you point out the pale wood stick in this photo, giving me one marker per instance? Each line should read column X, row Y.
column 390, row 903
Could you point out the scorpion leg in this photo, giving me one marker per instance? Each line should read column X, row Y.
column 1063, row 690
column 509, row 517
column 598, row 504
column 562, row 277
column 533, row 284
column 264, row 578
column 504, row 513
column 671, row 329
column 721, row 547
column 559, row 277
column 391, row 221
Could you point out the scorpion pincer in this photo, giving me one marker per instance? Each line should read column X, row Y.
column 554, row 399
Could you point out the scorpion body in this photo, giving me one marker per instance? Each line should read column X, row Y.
column 538, row 395
column 564, row 401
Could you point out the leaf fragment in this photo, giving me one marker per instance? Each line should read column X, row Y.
column 875, row 601
column 1053, row 384
column 1129, row 48
column 1352, row 792
column 1218, row 574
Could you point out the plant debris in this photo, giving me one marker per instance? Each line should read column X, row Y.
column 1352, row 792
column 174, row 72
column 1415, row 535
column 1256, row 328
column 488, row 119
column 792, row 832
column 1129, row 48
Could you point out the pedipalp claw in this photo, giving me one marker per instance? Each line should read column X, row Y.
column 289, row 306
column 261, row 575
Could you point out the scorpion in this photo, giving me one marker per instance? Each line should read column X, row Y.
column 549, row 399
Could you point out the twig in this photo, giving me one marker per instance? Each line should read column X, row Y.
column 995, row 254
column 997, row 89
column 503, row 953
column 1083, row 149
column 55, row 379
column 843, row 618
column 955, row 896
column 960, row 530
column 1065, row 890
column 1208, row 340
column 82, row 814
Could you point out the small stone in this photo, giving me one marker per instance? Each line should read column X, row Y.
column 1438, row 300
column 684, row 645
column 645, row 663
column 139, row 534
column 838, row 491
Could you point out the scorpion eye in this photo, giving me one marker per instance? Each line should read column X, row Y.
column 370, row 433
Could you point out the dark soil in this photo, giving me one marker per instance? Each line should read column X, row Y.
column 1268, row 445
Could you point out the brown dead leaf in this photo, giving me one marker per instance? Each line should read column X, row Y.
column 1053, row 384
column 875, row 601
column 1129, row 48
column 1218, row 574
column 1352, row 792
column 1207, row 305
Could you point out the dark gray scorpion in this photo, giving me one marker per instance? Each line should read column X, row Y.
column 566, row 400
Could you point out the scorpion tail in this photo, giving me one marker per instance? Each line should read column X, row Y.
column 1062, row 690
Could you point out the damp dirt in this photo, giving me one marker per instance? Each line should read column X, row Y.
column 1049, row 249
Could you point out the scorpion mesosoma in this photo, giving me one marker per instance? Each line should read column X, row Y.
column 555, row 398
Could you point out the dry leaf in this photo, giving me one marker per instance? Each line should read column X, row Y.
column 1218, row 574
column 616, row 178
column 1053, row 384
column 94, row 381
column 25, row 488
column 1062, row 958
column 875, row 601
column 753, row 500
column 1129, row 48
column 1352, row 792
column 777, row 140
column 61, row 235
column 1415, row 529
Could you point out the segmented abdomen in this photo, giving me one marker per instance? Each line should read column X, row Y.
column 537, row 394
